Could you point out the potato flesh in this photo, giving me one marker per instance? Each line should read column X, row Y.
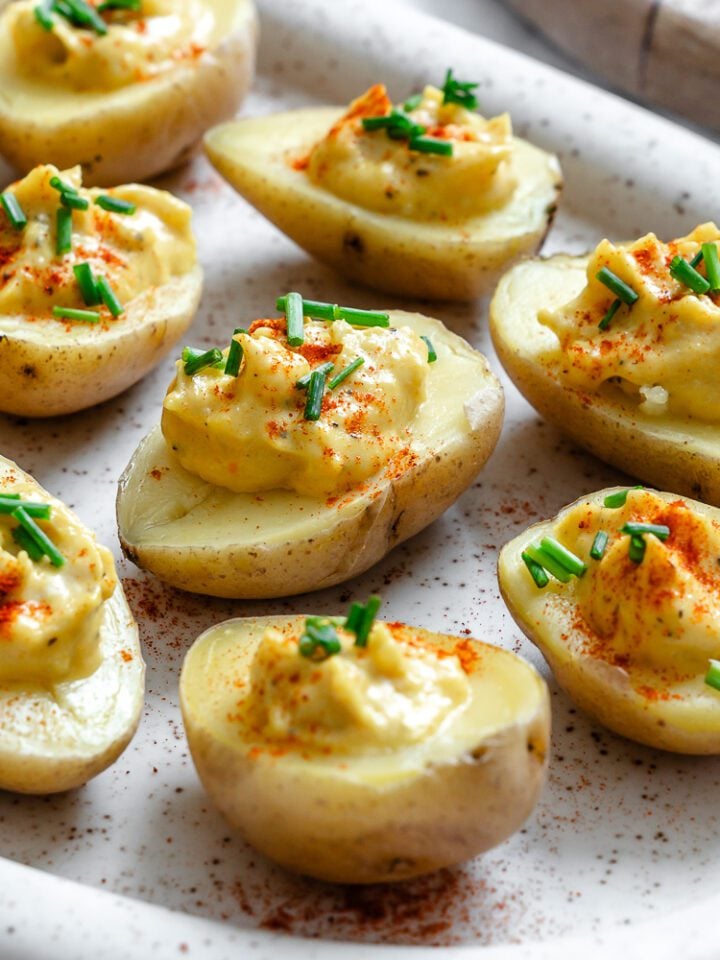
column 370, row 817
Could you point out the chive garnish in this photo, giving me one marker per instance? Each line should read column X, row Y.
column 712, row 265
column 311, row 308
column 619, row 499
column 23, row 539
column 397, row 124
column 315, row 392
column 659, row 530
column 599, row 545
column 108, row 297
column 86, row 282
column 201, row 360
column 681, row 270
column 83, row 15
column 461, row 93
column 613, row 282
column 712, row 677
column 39, row 537
column 119, row 5
column 536, row 571
column 57, row 184
column 432, row 355
column 324, row 368
column 74, row 201
column 8, row 503
column 115, row 204
column 413, row 102
column 432, row 145
column 345, row 372
column 295, row 319
column 541, row 556
column 354, row 616
column 566, row 558
column 697, row 259
column 68, row 313
column 317, row 310
column 636, row 551
column 43, row 15
column 319, row 639
column 363, row 620
column 612, row 310
column 14, row 211
column 235, row 354
column 63, row 239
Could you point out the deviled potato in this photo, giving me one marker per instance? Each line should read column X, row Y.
column 426, row 200
column 300, row 456
column 364, row 752
column 71, row 670
column 620, row 593
column 619, row 350
column 95, row 288
column 126, row 92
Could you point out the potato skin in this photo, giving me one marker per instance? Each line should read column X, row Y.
column 673, row 455
column 136, row 135
column 601, row 690
column 342, row 830
column 399, row 256
column 52, row 374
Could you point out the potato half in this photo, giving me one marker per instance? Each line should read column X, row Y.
column 685, row 719
column 207, row 539
column 49, row 370
column 378, row 817
column 135, row 132
column 667, row 452
column 58, row 737
column 391, row 253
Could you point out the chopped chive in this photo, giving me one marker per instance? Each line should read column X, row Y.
column 73, row 201
column 613, row 282
column 636, row 550
column 324, row 368
column 23, row 539
column 611, row 311
column 63, row 8
column 209, row 358
column 443, row 148
column 63, row 240
column 536, row 571
column 712, row 677
column 86, row 282
column 11, row 496
column 599, row 545
column 712, row 264
column 659, row 530
column 316, row 390
column 83, row 15
column 319, row 634
column 432, row 356
column 376, row 123
column 461, row 93
column 235, row 354
column 57, row 184
column 43, row 15
column 68, row 313
column 41, row 510
column 39, row 537
column 109, row 297
column 345, row 372
column 681, row 270
column 295, row 319
column 619, row 499
column 119, row 5
column 366, row 620
column 115, row 204
column 14, row 211
column 566, row 558
column 192, row 353
column 536, row 553
column 397, row 123
column 413, row 102
column 697, row 259
column 311, row 308
column 352, row 621
column 362, row 318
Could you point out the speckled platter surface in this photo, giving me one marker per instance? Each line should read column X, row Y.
column 622, row 851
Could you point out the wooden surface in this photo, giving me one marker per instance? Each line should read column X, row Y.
column 666, row 52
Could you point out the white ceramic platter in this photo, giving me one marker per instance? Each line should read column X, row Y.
column 622, row 852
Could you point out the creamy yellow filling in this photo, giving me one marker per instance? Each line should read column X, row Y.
column 663, row 351
column 374, row 171
column 387, row 695
column 249, row 433
column 137, row 47
column 50, row 616
column 134, row 253
column 660, row 614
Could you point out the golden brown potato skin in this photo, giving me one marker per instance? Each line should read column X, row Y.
column 132, row 135
column 53, row 373
column 671, row 454
column 344, row 830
